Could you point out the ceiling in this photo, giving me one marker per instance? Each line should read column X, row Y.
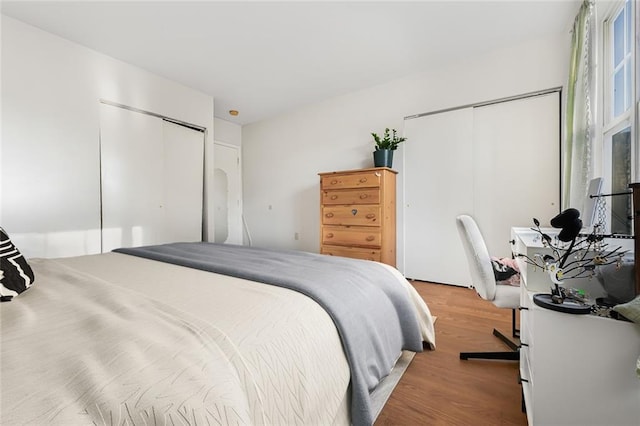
column 265, row 58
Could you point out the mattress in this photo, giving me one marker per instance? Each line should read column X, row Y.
column 253, row 353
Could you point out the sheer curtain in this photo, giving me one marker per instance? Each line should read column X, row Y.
column 580, row 131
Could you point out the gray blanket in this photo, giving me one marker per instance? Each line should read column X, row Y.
column 372, row 312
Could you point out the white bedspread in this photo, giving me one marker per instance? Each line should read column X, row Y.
column 101, row 339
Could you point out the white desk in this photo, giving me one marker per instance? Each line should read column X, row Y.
column 576, row 369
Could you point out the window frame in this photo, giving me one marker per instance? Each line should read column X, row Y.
column 608, row 120
column 607, row 124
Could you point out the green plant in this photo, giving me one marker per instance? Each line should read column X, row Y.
column 387, row 141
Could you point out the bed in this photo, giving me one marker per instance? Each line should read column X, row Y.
column 124, row 338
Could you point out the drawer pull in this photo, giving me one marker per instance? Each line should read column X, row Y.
column 371, row 216
column 370, row 238
column 334, row 197
column 354, row 212
column 329, row 215
column 330, row 235
column 363, row 196
column 333, row 182
column 363, row 180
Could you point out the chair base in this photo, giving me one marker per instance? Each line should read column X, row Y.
column 511, row 344
column 512, row 355
column 503, row 356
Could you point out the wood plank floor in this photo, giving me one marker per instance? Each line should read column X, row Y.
column 440, row 389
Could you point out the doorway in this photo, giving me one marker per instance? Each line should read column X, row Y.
column 227, row 194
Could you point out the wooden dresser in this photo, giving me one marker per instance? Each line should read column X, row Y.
column 358, row 214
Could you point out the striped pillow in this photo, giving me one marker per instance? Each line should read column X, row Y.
column 15, row 273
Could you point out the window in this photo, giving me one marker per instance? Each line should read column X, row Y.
column 619, row 112
column 620, row 63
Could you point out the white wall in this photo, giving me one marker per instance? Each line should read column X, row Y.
column 51, row 89
column 283, row 155
column 227, row 132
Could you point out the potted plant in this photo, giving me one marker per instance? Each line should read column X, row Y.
column 385, row 145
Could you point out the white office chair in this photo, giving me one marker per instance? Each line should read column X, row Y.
column 483, row 280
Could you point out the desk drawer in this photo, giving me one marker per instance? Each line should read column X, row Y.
column 351, row 196
column 365, row 215
column 527, row 393
column 525, row 366
column 352, row 236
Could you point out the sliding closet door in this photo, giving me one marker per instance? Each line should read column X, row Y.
column 499, row 163
column 438, row 186
column 516, row 171
column 130, row 149
column 151, row 180
column 183, row 175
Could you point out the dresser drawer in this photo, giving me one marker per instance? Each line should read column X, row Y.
column 352, row 236
column 365, row 179
column 365, row 215
column 352, row 252
column 351, row 196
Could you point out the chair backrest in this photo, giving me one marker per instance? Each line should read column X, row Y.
column 478, row 257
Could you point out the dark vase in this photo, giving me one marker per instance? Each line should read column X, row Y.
column 383, row 158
